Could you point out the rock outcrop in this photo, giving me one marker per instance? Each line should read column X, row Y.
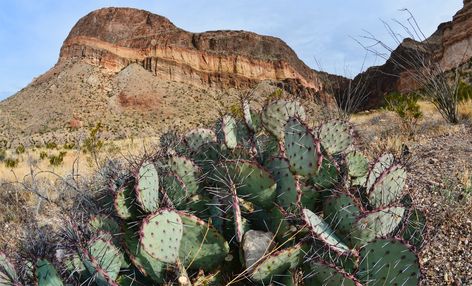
column 113, row 38
column 449, row 47
column 140, row 75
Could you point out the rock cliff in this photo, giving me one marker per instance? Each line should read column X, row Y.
column 113, row 38
column 449, row 47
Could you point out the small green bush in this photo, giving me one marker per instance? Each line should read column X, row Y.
column 43, row 155
column 405, row 105
column 20, row 149
column 11, row 163
column 51, row 145
column 464, row 92
column 57, row 160
column 3, row 154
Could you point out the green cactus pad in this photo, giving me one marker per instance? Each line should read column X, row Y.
column 251, row 119
column 323, row 232
column 253, row 182
column 286, row 183
column 335, row 137
column 46, row 274
column 8, row 275
column 273, row 220
column 302, row 150
column 388, row 187
column 175, row 189
column 147, row 188
column 415, row 228
column 320, row 273
column 278, row 263
column 276, row 114
column 103, row 261
column 357, row 165
column 340, row 212
column 327, row 177
column 376, row 224
column 198, row 137
column 382, row 164
column 388, row 262
column 146, row 264
column 160, row 235
column 227, row 131
column 125, row 203
column 104, row 223
column 202, row 246
column 187, row 170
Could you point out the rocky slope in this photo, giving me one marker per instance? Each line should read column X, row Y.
column 450, row 47
column 136, row 73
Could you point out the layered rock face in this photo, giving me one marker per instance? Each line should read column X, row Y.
column 449, row 47
column 113, row 38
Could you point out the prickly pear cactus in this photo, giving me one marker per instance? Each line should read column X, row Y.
column 281, row 202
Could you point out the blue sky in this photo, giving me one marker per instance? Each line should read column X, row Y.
column 32, row 31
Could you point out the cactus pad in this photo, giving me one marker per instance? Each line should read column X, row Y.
column 388, row 262
column 47, row 274
column 303, row 151
column 253, row 182
column 327, row 177
column 278, row 263
column 335, row 137
column 388, row 187
column 8, row 275
column 160, row 235
column 105, row 224
column 376, row 224
column 341, row 212
column 202, row 247
column 146, row 264
column 198, row 137
column 147, row 187
column 103, row 261
column 175, row 189
column 323, row 232
column 276, row 114
column 124, row 203
column 328, row 275
column 227, row 131
column 187, row 171
column 415, row 228
column 357, row 165
column 286, row 183
column 383, row 163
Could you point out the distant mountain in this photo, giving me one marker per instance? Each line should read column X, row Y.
column 137, row 73
column 450, row 47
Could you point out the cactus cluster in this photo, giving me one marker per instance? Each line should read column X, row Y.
column 262, row 199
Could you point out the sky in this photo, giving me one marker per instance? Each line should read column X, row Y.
column 321, row 32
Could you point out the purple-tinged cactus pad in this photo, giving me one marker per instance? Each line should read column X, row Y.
column 376, row 224
column 147, row 187
column 302, row 150
column 322, row 231
column 160, row 235
column 388, row 262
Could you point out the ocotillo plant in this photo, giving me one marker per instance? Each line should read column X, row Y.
column 263, row 198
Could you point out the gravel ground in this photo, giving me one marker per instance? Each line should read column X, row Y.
column 440, row 169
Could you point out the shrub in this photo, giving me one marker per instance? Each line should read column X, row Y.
column 20, row 149
column 11, row 162
column 406, row 107
column 464, row 92
column 267, row 201
column 3, row 154
column 43, row 155
column 57, row 160
column 51, row 145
